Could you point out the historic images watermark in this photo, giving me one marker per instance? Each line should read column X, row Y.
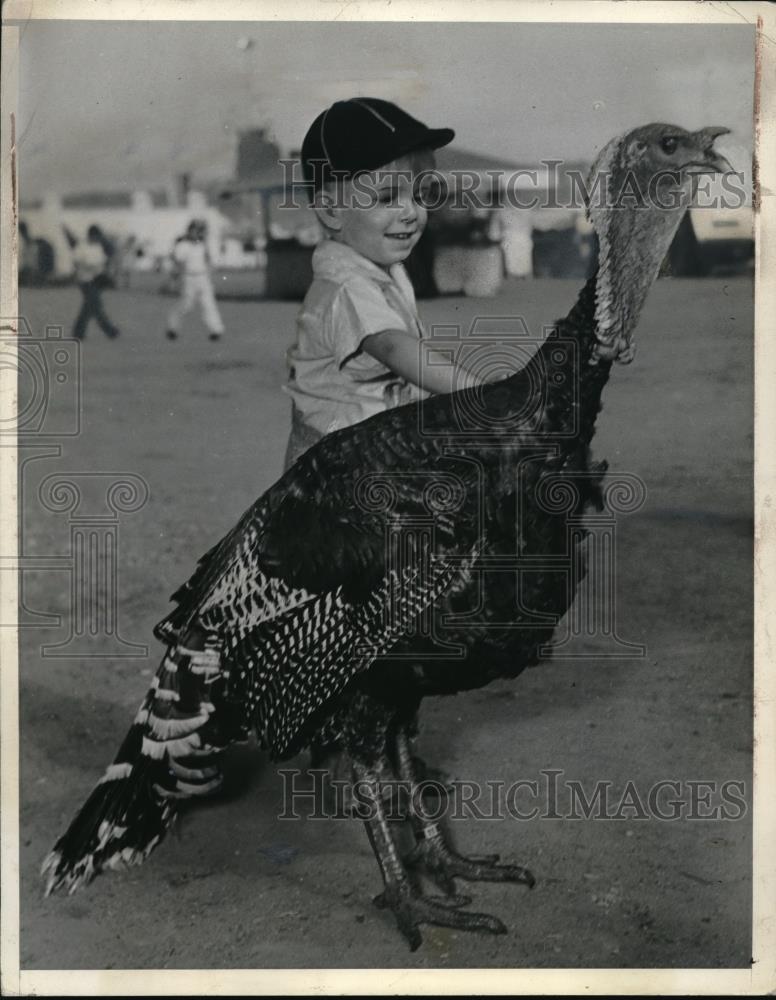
column 89, row 505
column 553, row 184
column 550, row 795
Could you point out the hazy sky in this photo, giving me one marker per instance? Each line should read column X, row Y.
column 112, row 105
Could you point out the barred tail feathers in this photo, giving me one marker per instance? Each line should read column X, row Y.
column 121, row 822
column 168, row 754
column 285, row 673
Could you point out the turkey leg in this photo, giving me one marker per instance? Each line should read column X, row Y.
column 431, row 851
column 409, row 905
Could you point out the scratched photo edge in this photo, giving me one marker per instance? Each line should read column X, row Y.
column 549, row 981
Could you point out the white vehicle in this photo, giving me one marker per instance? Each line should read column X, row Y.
column 725, row 235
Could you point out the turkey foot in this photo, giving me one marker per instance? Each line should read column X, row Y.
column 411, row 908
column 451, row 901
column 431, row 851
column 444, row 864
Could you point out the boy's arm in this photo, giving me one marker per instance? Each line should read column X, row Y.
column 400, row 351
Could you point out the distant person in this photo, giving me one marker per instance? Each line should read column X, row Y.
column 28, row 256
column 91, row 273
column 191, row 258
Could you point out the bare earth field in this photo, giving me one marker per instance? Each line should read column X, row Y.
column 205, row 426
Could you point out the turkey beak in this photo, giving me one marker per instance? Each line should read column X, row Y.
column 710, row 162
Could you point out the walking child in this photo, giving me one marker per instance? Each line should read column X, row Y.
column 192, row 259
column 357, row 350
column 91, row 273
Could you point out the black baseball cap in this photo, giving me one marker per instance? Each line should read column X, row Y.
column 363, row 133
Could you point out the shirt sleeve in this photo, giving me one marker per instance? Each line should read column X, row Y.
column 359, row 310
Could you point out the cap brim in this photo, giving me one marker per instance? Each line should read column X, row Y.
column 428, row 138
column 425, row 138
column 441, row 137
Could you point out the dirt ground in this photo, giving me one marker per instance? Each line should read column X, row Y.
column 205, row 426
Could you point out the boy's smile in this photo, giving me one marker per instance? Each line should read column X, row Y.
column 380, row 214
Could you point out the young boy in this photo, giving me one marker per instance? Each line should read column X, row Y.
column 191, row 257
column 91, row 272
column 357, row 350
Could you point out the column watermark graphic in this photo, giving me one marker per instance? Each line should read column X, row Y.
column 48, row 414
column 93, row 502
column 412, row 537
column 592, row 543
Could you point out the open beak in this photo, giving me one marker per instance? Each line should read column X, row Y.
column 709, row 161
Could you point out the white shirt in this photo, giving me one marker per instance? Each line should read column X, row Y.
column 89, row 259
column 192, row 256
column 333, row 382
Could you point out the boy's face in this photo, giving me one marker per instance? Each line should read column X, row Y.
column 380, row 214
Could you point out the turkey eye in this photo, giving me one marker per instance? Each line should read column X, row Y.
column 668, row 145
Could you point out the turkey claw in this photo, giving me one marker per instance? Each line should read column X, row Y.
column 411, row 908
column 443, row 865
column 451, row 901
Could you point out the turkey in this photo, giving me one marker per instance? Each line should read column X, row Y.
column 367, row 578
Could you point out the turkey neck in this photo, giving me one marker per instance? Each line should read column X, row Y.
column 575, row 399
column 566, row 373
column 573, row 365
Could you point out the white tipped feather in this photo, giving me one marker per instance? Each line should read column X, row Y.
column 165, row 694
column 165, row 729
column 115, row 772
column 180, row 748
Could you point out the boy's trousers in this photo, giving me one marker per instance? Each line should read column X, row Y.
column 92, row 308
column 197, row 288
